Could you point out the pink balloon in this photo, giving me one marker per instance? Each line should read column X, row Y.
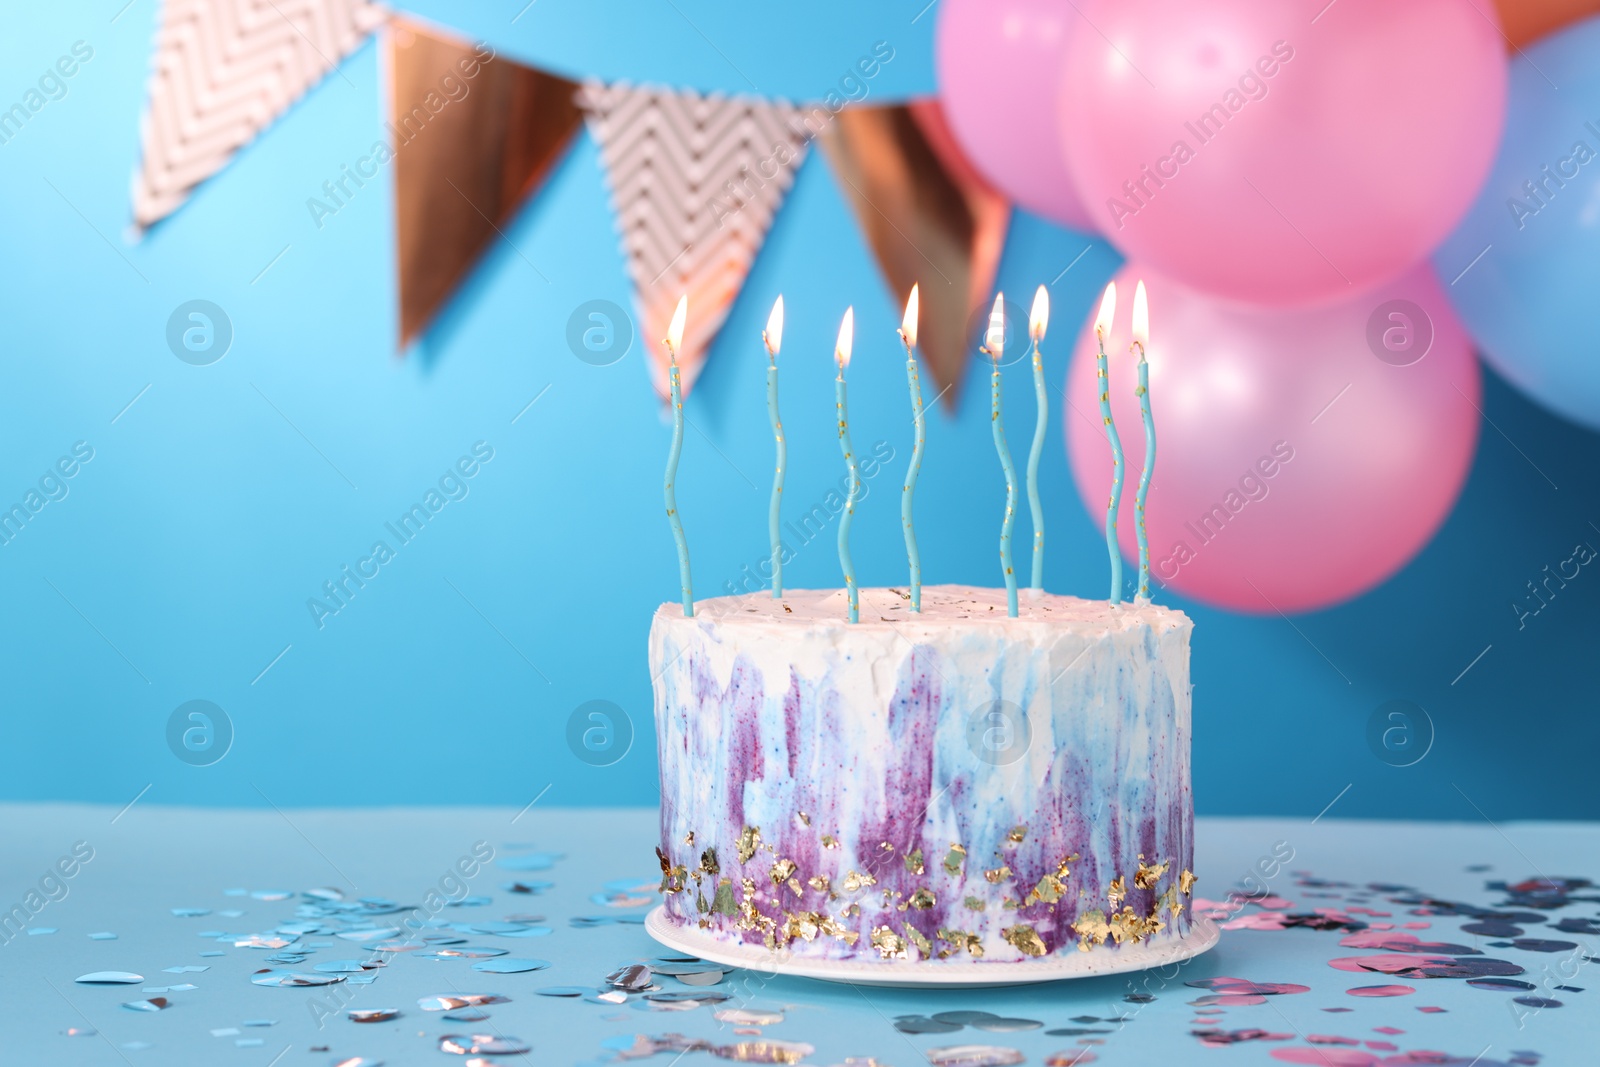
column 1302, row 456
column 999, row 67
column 1253, row 153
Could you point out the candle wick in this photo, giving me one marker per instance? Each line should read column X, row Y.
column 1140, row 347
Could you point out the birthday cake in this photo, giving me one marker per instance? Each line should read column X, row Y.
column 948, row 785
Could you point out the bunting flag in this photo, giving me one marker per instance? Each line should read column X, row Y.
column 223, row 71
column 929, row 218
column 473, row 135
column 695, row 182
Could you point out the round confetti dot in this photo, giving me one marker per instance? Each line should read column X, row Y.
column 510, row 965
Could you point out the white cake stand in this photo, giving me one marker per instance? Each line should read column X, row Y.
column 966, row 974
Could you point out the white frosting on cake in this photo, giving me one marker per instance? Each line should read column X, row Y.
column 1030, row 741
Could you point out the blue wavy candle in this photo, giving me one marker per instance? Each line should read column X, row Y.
column 1038, row 317
column 674, row 339
column 1141, row 338
column 919, row 422
column 1102, row 326
column 772, row 338
column 841, row 355
column 994, row 348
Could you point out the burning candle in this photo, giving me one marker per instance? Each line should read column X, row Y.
column 673, row 341
column 908, row 337
column 994, row 347
column 1102, row 326
column 841, row 356
column 1038, row 319
column 772, row 338
column 1141, row 339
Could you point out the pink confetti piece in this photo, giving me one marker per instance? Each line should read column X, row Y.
column 1326, row 1057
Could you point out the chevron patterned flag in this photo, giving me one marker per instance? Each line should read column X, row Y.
column 223, row 71
column 695, row 182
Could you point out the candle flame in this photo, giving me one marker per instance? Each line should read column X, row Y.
column 1108, row 310
column 908, row 323
column 1039, row 316
column 1141, row 319
column 675, row 331
column 847, row 330
column 772, row 336
column 994, row 340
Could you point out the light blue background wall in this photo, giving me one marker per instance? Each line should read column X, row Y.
column 180, row 563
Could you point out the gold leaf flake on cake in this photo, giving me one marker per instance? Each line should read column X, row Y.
column 914, row 861
column 1016, row 835
column 997, row 875
column 1170, row 901
column 802, row 820
column 922, row 899
column 749, row 841
column 889, row 944
column 672, row 875
column 1129, row 925
column 802, row 924
column 722, row 900
column 782, row 871
column 709, row 864
column 960, row 939
column 834, row 928
column 1061, row 868
column 924, row 949
column 1092, row 929
column 1025, row 939
column 855, row 880
column 1048, row 891
column 794, row 886
column 1116, row 892
column 1148, row 875
column 954, row 859
column 820, row 883
column 701, row 905
column 1186, row 881
column 975, row 904
column 829, row 841
column 688, row 839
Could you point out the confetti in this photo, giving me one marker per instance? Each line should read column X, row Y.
column 510, row 965
column 276, row 977
column 153, row 1004
column 974, row 1056
column 482, row 1045
column 452, row 1001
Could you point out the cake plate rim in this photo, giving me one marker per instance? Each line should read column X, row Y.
column 1203, row 935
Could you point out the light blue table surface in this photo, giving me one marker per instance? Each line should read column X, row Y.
column 148, row 860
